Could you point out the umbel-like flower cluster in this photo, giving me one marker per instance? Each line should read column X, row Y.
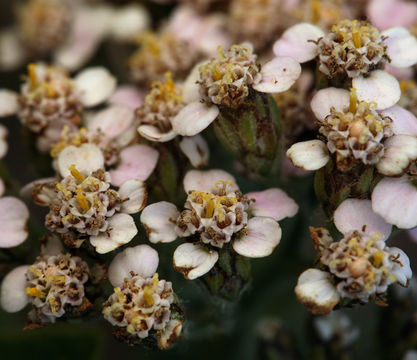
column 334, row 94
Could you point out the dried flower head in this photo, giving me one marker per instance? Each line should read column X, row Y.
column 227, row 79
column 44, row 24
column 158, row 54
column 142, row 307
column 48, row 96
column 55, row 284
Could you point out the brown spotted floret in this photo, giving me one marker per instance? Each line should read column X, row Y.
column 352, row 48
column 356, row 134
column 142, row 307
column 48, row 96
column 214, row 216
column 55, row 284
column 44, row 25
column 227, row 79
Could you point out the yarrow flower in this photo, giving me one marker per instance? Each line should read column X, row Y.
column 83, row 206
column 50, row 100
column 228, row 81
column 216, row 213
column 355, row 50
column 358, row 132
column 142, row 306
column 54, row 285
column 359, row 267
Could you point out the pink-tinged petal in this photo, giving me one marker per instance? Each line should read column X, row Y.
column 12, row 54
column 134, row 195
column 141, row 259
column 136, row 162
column 3, row 141
column 400, row 151
column 127, row 95
column 86, row 158
column 273, row 203
column 196, row 149
column 316, row 291
column 8, row 103
column 309, row 155
column 413, row 234
column 129, row 21
column 2, row 187
column 13, row 296
column 297, row 42
column 400, row 73
column 152, row 133
column 82, row 42
column 402, row 47
column 194, row 260
column 395, row 199
column 355, row 214
column 403, row 121
column 194, row 118
column 387, row 13
column 379, row 87
column 13, row 218
column 206, row 180
column 159, row 220
column 278, row 75
column 122, row 230
column 325, row 99
column 261, row 237
column 95, row 85
column 112, row 121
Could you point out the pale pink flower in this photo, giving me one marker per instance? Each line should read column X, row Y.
column 217, row 212
column 388, row 13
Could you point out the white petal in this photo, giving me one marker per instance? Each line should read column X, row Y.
column 13, row 290
column 122, row 230
column 190, row 89
column 402, row 47
column 325, row 99
column 206, row 180
column 13, row 218
column 316, row 292
column 278, row 75
column 135, row 191
column 400, row 151
column 170, row 333
column 273, row 203
column 194, row 260
column 159, row 221
column 152, row 133
column 196, row 149
column 379, row 87
column 194, row 118
column 354, row 214
column 95, row 84
column 395, row 199
column 129, row 21
column 8, row 103
column 309, row 155
column 86, row 158
column 12, row 54
column 402, row 270
column 3, row 141
column 403, row 121
column 141, row 259
column 136, row 162
column 261, row 237
column 296, row 42
column 112, row 121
